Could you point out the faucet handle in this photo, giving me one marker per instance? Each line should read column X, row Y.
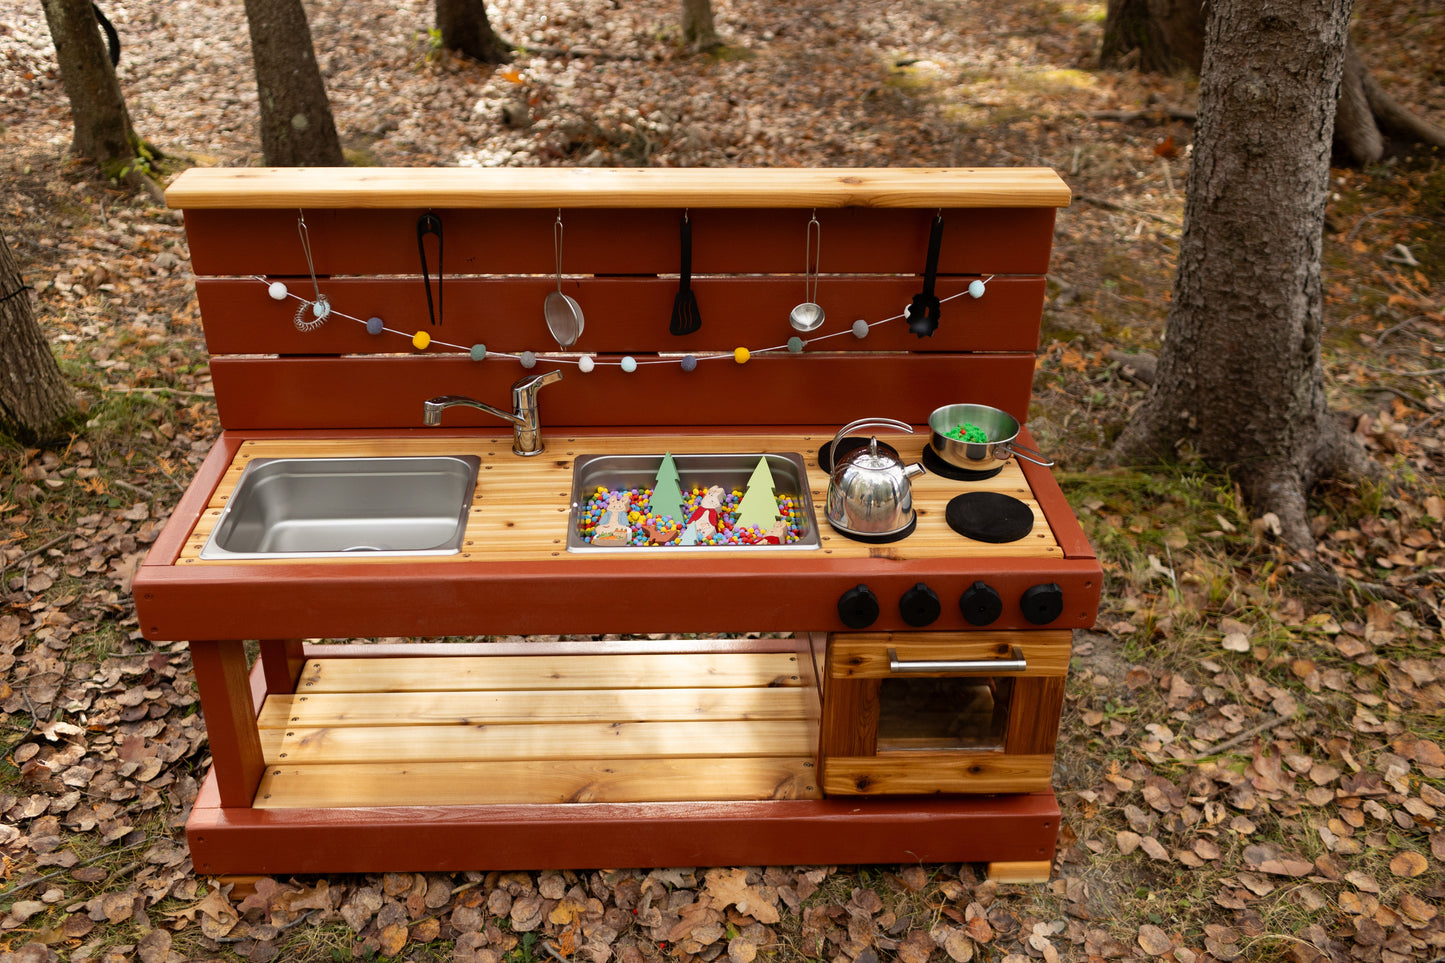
column 533, row 382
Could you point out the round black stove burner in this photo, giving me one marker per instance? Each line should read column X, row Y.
column 883, row 539
column 849, row 444
column 934, row 462
column 989, row 517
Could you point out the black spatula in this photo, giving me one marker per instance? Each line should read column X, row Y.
column 685, row 316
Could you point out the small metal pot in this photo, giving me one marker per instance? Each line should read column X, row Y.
column 869, row 491
column 1000, row 427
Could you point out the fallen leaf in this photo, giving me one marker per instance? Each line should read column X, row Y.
column 155, row 946
column 1408, row 863
column 729, row 887
column 958, row 946
column 1154, row 940
column 392, row 938
column 742, row 950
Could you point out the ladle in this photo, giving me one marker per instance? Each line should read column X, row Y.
column 809, row 316
column 564, row 315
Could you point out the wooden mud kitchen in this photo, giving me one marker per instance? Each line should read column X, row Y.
column 655, row 404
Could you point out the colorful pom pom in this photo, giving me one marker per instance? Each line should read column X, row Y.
column 374, row 325
column 689, row 363
column 741, row 355
column 860, row 329
column 479, row 352
column 629, row 364
column 975, row 288
column 420, row 340
column 277, row 290
column 795, row 345
column 529, row 359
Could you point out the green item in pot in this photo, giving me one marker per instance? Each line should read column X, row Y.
column 966, row 432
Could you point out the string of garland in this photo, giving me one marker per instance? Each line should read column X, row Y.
column 322, row 310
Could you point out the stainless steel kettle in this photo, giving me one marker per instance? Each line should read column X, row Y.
column 869, row 492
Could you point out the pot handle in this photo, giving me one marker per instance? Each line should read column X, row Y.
column 1018, row 451
column 867, row 423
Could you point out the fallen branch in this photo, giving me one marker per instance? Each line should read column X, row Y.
column 1111, row 206
column 1242, row 737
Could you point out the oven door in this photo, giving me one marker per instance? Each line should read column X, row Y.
column 942, row 712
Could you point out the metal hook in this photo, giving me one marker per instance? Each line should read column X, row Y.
column 306, row 249
column 812, row 263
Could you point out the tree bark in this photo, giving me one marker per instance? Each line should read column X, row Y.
column 103, row 131
column 465, row 29
column 35, row 402
column 1164, row 36
column 1240, row 378
column 297, row 129
column 698, row 31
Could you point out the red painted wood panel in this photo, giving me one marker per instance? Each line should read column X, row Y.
column 488, row 242
column 793, row 832
column 781, row 389
column 545, row 598
column 622, row 314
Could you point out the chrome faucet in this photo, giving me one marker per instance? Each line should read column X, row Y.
column 526, row 428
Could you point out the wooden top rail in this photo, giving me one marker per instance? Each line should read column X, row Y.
column 374, row 187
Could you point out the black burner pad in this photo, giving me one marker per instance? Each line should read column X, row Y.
column 897, row 536
column 989, row 517
column 934, row 462
column 849, row 444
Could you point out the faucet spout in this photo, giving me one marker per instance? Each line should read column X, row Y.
column 524, row 419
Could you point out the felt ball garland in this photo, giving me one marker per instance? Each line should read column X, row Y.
column 311, row 314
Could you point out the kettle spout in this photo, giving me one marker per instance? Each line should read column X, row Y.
column 913, row 470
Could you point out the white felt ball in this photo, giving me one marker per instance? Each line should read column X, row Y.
column 277, row 290
column 860, row 328
column 529, row 359
column 975, row 288
column 585, row 363
column 629, row 364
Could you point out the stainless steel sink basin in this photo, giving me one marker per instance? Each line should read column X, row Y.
column 731, row 471
column 345, row 507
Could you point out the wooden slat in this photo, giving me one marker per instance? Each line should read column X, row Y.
column 652, row 740
column 521, row 506
column 623, row 315
column 535, row 782
column 617, row 187
column 979, row 241
column 533, row 706
column 865, row 656
column 902, row 773
column 770, row 390
column 1033, row 722
column 502, row 673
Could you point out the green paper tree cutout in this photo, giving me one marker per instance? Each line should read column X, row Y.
column 760, row 502
column 666, row 491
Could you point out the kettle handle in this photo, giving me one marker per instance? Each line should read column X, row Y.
column 866, row 423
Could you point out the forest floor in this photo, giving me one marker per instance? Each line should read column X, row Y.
column 1250, row 766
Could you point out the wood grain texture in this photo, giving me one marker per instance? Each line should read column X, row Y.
column 865, row 655
column 530, row 705
column 521, row 509
column 1020, row 871
column 904, row 773
column 222, row 679
column 536, row 782
column 1033, row 725
column 850, row 718
column 373, row 187
column 770, row 390
column 542, row 672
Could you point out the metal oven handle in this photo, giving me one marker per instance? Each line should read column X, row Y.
column 1014, row 663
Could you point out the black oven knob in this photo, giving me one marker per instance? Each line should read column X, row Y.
column 858, row 607
column 1041, row 604
column 980, row 604
column 919, row 606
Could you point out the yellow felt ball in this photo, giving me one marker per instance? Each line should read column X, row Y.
column 420, row 340
column 741, row 355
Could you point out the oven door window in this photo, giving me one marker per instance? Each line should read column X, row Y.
column 959, row 712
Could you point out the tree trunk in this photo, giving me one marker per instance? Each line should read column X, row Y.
column 35, row 402
column 296, row 125
column 103, row 132
column 698, row 31
column 465, row 29
column 1163, row 36
column 1240, row 380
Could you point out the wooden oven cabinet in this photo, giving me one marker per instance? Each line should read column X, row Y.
column 941, row 712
